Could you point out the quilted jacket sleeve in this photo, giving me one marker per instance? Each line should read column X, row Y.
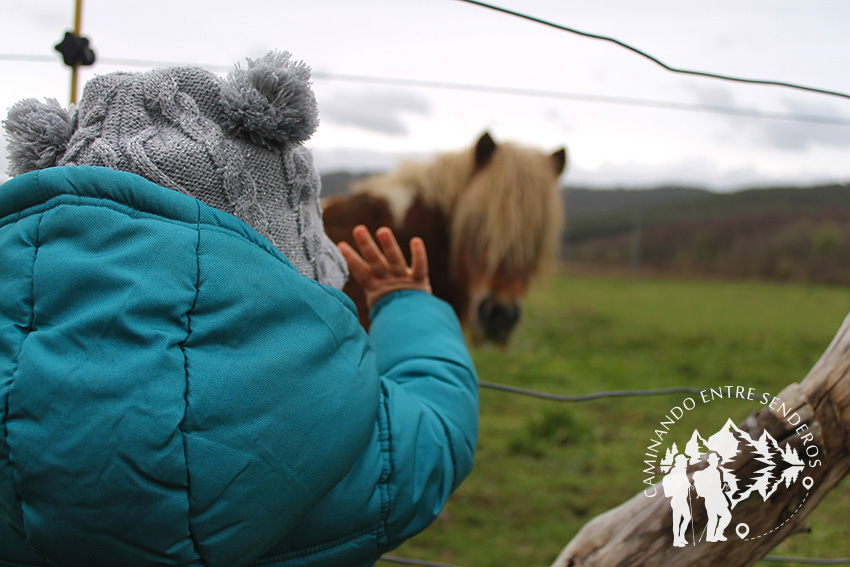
column 431, row 395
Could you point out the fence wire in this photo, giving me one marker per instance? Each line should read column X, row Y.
column 588, row 397
column 482, row 88
column 655, row 60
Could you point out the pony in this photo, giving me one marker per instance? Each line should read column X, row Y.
column 491, row 217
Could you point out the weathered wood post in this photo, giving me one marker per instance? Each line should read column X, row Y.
column 639, row 532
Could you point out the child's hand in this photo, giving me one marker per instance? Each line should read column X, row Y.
column 380, row 273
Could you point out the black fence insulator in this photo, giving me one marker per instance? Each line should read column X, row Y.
column 75, row 50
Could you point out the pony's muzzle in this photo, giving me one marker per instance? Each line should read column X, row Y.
column 496, row 320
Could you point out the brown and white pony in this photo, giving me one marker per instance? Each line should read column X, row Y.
column 491, row 217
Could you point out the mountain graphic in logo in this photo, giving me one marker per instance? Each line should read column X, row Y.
column 719, row 488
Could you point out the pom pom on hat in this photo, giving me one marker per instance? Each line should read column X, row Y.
column 271, row 102
column 38, row 134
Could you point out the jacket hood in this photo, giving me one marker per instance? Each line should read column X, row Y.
column 176, row 393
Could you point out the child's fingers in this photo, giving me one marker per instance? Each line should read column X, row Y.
column 358, row 267
column 370, row 252
column 392, row 251
column 419, row 259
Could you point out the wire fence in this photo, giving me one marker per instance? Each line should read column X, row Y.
column 655, row 60
column 743, row 112
column 588, row 397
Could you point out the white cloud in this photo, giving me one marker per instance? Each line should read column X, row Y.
column 382, row 111
column 802, row 136
column 711, row 95
column 359, row 161
column 703, row 173
column 788, row 135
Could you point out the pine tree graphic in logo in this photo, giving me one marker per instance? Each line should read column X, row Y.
column 716, row 486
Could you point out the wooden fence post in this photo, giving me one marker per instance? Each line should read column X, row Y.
column 639, row 532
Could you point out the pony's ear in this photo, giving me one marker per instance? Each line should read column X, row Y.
column 559, row 160
column 271, row 102
column 484, row 149
column 38, row 134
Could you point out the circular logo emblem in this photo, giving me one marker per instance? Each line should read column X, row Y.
column 701, row 471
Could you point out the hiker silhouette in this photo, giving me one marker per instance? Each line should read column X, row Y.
column 709, row 485
column 677, row 485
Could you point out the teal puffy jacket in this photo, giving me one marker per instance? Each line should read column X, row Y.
column 174, row 392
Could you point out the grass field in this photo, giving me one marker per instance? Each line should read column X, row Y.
column 545, row 468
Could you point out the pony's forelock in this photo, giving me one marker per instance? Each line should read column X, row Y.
column 511, row 213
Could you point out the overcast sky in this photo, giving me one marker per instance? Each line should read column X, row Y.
column 613, row 137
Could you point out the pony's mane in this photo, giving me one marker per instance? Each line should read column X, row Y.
column 508, row 213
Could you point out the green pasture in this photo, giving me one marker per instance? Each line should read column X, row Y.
column 545, row 468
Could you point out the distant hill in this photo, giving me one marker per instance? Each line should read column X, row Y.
column 594, row 212
column 783, row 233
column 588, row 202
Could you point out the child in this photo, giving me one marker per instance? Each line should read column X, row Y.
column 181, row 381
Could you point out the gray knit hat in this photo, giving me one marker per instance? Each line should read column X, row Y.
column 233, row 143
